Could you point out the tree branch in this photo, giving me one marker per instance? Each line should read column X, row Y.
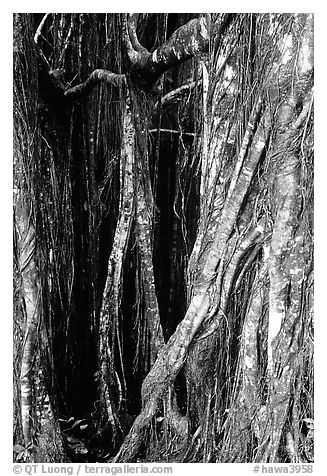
column 172, row 131
column 54, row 85
column 36, row 41
column 97, row 76
column 131, row 23
column 39, row 29
column 128, row 34
column 186, row 42
column 172, row 95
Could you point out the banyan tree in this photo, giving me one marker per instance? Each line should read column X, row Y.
column 163, row 237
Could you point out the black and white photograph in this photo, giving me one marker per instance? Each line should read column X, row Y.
column 163, row 199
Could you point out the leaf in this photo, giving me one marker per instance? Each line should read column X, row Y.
column 77, row 423
column 160, row 418
column 66, row 421
column 82, row 427
column 18, row 448
column 72, row 440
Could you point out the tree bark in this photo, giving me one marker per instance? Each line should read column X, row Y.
column 110, row 309
column 31, row 296
column 186, row 42
column 96, row 77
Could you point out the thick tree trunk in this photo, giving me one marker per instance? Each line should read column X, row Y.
column 287, row 271
column 41, row 441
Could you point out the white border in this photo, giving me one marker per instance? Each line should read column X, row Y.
column 320, row 201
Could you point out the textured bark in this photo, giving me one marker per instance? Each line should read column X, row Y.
column 252, row 238
column 110, row 310
column 287, row 270
column 236, row 196
column 186, row 42
column 96, row 77
column 287, row 187
column 212, row 191
column 287, row 267
column 144, row 216
column 29, row 309
column 25, row 126
column 249, row 354
column 31, row 296
column 144, row 227
column 247, row 414
column 176, row 94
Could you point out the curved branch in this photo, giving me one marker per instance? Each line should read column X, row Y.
column 97, row 76
column 39, row 29
column 175, row 93
column 132, row 54
column 36, row 41
column 131, row 23
column 186, row 42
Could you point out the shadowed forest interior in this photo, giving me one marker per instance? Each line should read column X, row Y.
column 163, row 237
